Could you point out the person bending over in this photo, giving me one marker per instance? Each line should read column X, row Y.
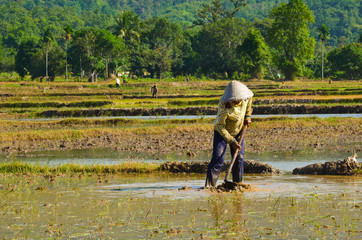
column 234, row 111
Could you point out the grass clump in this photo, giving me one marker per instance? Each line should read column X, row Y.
column 72, row 168
column 54, row 104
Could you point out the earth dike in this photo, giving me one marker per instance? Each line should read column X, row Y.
column 250, row 166
column 271, row 109
column 348, row 166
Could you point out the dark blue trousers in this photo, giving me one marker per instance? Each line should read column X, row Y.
column 217, row 160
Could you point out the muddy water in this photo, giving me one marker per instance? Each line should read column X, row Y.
column 149, row 206
column 285, row 161
column 153, row 206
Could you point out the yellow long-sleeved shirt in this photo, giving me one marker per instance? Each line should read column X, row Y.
column 230, row 121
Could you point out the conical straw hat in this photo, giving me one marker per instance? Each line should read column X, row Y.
column 236, row 91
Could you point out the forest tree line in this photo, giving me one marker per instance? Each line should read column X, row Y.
column 75, row 37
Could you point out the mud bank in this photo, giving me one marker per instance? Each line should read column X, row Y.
column 305, row 101
column 348, row 166
column 272, row 109
column 189, row 142
column 250, row 166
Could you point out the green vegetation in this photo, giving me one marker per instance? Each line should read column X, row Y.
column 126, row 167
column 346, row 61
column 84, row 104
column 290, row 35
column 254, row 54
column 95, row 39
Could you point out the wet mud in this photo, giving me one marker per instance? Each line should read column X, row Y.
column 225, row 187
column 348, row 166
column 234, row 187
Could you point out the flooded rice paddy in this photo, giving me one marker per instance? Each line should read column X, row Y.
column 153, row 206
column 285, row 161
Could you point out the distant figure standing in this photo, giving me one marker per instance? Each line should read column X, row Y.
column 187, row 78
column 154, row 91
column 124, row 78
column 118, row 82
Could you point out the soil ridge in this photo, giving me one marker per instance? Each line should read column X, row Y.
column 348, row 166
column 272, row 109
column 250, row 166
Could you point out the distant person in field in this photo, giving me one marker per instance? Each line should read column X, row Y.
column 118, row 82
column 154, row 91
column 234, row 111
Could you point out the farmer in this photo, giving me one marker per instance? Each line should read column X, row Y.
column 234, row 111
column 118, row 82
column 154, row 91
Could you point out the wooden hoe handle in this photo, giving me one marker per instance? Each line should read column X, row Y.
column 235, row 154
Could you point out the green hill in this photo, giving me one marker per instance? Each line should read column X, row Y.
column 30, row 16
column 24, row 19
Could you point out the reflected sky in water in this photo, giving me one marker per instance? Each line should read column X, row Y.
column 285, row 161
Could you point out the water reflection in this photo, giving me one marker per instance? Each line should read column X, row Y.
column 227, row 213
column 286, row 161
column 297, row 185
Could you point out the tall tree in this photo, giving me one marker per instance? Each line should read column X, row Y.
column 163, row 59
column 216, row 45
column 290, row 36
column 82, row 52
column 30, row 60
column 108, row 47
column 1, row 55
column 95, row 49
column 345, row 62
column 23, row 58
column 164, row 39
column 56, row 63
column 68, row 31
column 254, row 53
column 127, row 26
column 323, row 36
column 47, row 39
column 216, row 11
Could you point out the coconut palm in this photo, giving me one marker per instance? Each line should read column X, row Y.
column 323, row 36
column 68, row 31
column 127, row 26
column 47, row 39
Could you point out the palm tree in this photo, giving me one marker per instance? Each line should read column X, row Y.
column 47, row 39
column 68, row 31
column 323, row 36
column 127, row 26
